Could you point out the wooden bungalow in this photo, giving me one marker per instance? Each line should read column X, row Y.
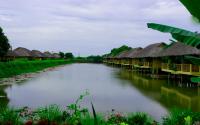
column 122, row 59
column 22, row 53
column 131, row 56
column 174, row 59
column 148, row 57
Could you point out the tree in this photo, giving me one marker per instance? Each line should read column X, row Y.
column 4, row 43
column 62, row 55
column 117, row 51
column 69, row 55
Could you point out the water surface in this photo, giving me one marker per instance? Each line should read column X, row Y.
column 110, row 88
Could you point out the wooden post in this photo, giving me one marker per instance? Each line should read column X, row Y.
column 190, row 68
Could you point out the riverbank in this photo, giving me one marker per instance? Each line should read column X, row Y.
column 15, row 68
column 75, row 115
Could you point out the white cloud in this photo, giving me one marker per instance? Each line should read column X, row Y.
column 88, row 26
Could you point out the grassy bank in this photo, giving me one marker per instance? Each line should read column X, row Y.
column 74, row 114
column 8, row 69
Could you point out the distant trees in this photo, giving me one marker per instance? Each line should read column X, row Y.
column 95, row 59
column 4, row 43
column 66, row 55
column 69, row 56
column 117, row 51
column 62, row 55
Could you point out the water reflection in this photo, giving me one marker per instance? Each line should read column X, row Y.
column 110, row 88
column 166, row 92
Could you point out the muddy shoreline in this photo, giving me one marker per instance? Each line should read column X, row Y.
column 19, row 78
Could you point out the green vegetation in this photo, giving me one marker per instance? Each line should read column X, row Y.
column 182, row 117
column 62, row 55
column 66, row 55
column 95, row 59
column 4, row 44
column 74, row 114
column 117, row 51
column 69, row 56
column 12, row 68
column 193, row 6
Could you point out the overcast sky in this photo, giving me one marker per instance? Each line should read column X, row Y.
column 89, row 26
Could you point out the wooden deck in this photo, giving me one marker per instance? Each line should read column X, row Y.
column 186, row 69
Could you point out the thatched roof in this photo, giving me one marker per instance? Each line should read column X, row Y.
column 36, row 53
column 134, row 52
column 56, row 55
column 123, row 54
column 179, row 49
column 22, row 52
column 11, row 54
column 48, row 54
column 151, row 50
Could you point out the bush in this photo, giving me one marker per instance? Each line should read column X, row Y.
column 9, row 117
column 179, row 117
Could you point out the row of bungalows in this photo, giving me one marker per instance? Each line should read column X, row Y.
column 159, row 58
column 23, row 53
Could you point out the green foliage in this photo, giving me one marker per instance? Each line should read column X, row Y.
column 188, row 120
column 69, row 56
column 9, row 117
column 193, row 6
column 117, row 51
column 140, row 119
column 75, row 110
column 181, row 35
column 51, row 113
column 8, row 69
column 179, row 117
column 62, row 55
column 95, row 59
column 4, row 43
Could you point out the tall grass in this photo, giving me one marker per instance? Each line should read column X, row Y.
column 8, row 69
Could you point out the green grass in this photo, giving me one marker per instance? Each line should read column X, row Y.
column 8, row 69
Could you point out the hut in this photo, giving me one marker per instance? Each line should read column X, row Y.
column 10, row 55
column 48, row 55
column 56, row 56
column 122, row 59
column 132, row 56
column 36, row 54
column 148, row 57
column 22, row 53
column 174, row 60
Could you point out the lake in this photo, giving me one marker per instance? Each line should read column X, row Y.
column 109, row 88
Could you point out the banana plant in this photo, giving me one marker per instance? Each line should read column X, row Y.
column 193, row 6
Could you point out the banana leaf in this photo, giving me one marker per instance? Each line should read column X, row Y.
column 193, row 60
column 181, row 35
column 193, row 6
column 195, row 79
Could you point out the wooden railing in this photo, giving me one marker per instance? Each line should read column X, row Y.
column 185, row 68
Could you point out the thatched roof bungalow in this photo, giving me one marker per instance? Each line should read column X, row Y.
column 22, row 52
column 11, row 54
column 37, row 54
column 134, row 52
column 176, row 62
column 151, row 50
column 56, row 55
column 48, row 55
column 179, row 49
column 123, row 54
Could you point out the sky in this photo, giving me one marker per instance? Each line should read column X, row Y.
column 89, row 27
